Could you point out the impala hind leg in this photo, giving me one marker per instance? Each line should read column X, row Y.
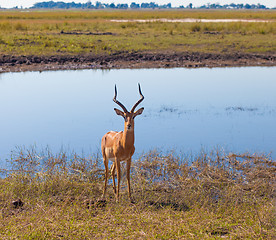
column 113, row 168
column 105, row 161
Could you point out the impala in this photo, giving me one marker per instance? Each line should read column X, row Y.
column 119, row 146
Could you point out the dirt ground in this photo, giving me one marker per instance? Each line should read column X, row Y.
column 9, row 63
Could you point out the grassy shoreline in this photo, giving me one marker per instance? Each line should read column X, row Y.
column 31, row 40
column 210, row 196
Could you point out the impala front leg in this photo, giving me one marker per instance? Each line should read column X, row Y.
column 118, row 167
column 105, row 160
column 128, row 177
column 113, row 168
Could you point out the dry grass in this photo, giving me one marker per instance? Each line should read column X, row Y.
column 209, row 196
column 140, row 14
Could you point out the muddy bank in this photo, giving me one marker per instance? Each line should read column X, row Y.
column 10, row 63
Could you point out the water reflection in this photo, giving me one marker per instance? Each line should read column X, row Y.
column 185, row 109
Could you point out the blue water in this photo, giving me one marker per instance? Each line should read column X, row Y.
column 185, row 109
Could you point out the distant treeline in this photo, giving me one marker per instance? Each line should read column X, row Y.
column 133, row 5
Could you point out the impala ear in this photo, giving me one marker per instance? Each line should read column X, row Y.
column 119, row 112
column 138, row 112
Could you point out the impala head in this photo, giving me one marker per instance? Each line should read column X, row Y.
column 129, row 116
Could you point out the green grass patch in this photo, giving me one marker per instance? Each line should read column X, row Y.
column 41, row 33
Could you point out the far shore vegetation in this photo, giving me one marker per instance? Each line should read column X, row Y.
column 213, row 195
column 82, row 32
column 134, row 5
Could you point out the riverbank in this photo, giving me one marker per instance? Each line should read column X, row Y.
column 119, row 60
column 211, row 195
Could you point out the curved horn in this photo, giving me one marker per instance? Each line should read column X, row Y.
column 116, row 101
column 139, row 101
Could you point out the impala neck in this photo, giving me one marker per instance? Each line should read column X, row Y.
column 128, row 136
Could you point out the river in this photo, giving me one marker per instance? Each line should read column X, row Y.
column 186, row 110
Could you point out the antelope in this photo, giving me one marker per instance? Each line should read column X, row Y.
column 119, row 146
